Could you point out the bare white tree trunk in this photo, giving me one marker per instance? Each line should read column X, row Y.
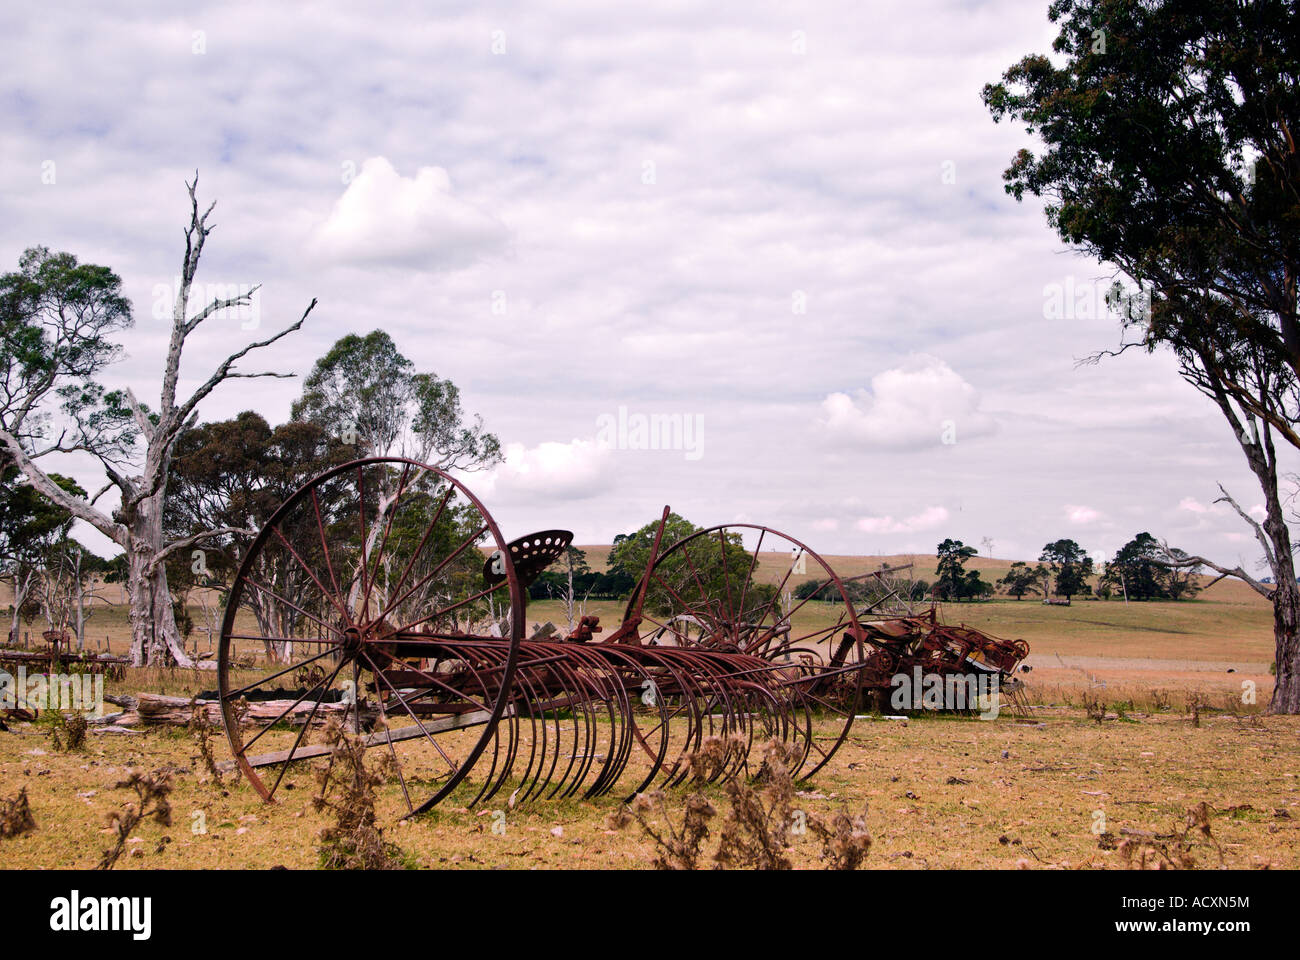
column 154, row 635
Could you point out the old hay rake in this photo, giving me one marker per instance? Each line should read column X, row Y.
column 383, row 593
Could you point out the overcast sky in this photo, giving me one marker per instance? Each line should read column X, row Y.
column 785, row 225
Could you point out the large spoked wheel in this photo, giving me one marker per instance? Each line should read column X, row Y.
column 366, row 598
column 732, row 589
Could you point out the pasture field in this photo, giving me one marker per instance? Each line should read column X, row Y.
column 940, row 791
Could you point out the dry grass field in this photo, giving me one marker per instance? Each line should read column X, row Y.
column 940, row 791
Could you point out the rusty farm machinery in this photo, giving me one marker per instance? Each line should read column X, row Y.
column 383, row 594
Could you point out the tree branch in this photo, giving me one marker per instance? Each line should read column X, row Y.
column 184, row 543
column 223, row 371
column 79, row 508
column 217, row 305
column 1262, row 589
column 1260, row 535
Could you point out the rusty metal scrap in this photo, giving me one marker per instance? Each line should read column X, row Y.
column 388, row 584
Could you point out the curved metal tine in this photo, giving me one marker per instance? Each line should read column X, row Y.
column 567, row 680
column 687, row 695
column 603, row 704
column 620, row 741
column 718, row 692
column 767, row 705
column 601, row 695
column 482, row 661
column 661, row 704
column 548, row 702
column 736, row 722
column 479, row 662
column 692, row 696
column 583, row 719
column 621, row 752
column 532, row 696
column 581, row 703
column 620, row 664
column 507, row 769
column 485, row 662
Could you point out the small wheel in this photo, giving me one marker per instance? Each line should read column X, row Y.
column 709, row 591
column 364, row 597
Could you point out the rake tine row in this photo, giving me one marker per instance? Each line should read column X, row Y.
column 579, row 715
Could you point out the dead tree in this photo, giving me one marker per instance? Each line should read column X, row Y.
column 136, row 525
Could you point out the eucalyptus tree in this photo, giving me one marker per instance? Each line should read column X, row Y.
column 1167, row 137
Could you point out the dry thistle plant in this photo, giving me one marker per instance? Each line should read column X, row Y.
column 1141, row 850
column 1095, row 708
column 756, row 832
column 845, row 840
column 347, row 790
column 152, row 791
column 676, row 847
column 200, row 730
column 68, row 734
column 16, row 815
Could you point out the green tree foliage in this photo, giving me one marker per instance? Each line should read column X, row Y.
column 553, row 583
column 1138, row 571
column 864, row 593
column 58, row 318
column 1070, row 566
column 708, row 570
column 365, row 391
column 1169, row 151
column 954, row 581
column 28, row 520
column 951, row 571
column 1022, row 578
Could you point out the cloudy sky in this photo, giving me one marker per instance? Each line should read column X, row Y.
column 783, row 226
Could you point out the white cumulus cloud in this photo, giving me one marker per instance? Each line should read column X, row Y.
column 927, row 519
column 550, row 470
column 1081, row 515
column 922, row 403
column 383, row 217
